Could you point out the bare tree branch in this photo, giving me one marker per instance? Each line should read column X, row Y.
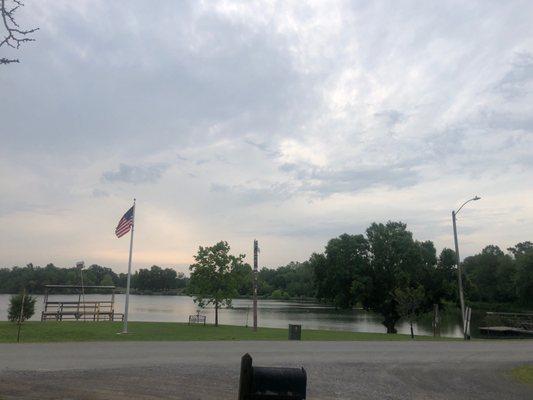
column 14, row 35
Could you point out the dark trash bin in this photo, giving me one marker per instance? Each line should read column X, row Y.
column 295, row 332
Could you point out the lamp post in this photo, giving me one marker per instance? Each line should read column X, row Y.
column 458, row 261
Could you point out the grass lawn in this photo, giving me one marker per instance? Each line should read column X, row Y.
column 523, row 374
column 157, row 331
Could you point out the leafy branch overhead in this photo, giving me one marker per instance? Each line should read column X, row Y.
column 12, row 34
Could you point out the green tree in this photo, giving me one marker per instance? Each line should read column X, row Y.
column 410, row 302
column 521, row 249
column 346, row 257
column 212, row 280
column 523, row 255
column 491, row 276
column 181, row 281
column 15, row 307
column 280, row 294
column 107, row 280
column 97, row 274
column 397, row 262
column 264, row 281
column 447, row 273
column 300, row 279
column 243, row 279
column 155, row 279
column 294, row 280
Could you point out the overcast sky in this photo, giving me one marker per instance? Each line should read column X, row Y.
column 289, row 122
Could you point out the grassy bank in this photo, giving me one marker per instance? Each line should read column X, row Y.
column 166, row 331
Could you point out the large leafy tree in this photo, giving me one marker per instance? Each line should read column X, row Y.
column 300, row 279
column 491, row 276
column 244, row 279
column 157, row 279
column 213, row 280
column 523, row 254
column 346, row 257
column 447, row 273
column 292, row 280
column 521, row 249
column 398, row 264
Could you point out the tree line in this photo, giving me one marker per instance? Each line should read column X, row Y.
column 385, row 270
column 494, row 276
column 34, row 278
column 491, row 276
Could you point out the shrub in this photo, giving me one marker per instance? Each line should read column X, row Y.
column 279, row 294
column 15, row 303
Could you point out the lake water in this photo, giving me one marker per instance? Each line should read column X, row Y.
column 271, row 313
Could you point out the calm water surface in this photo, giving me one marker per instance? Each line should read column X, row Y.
column 271, row 313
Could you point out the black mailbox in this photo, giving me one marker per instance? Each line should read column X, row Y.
column 265, row 383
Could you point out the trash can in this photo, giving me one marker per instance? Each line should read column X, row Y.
column 295, row 332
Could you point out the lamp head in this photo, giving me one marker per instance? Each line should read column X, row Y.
column 476, row 198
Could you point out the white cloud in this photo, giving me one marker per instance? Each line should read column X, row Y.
column 289, row 122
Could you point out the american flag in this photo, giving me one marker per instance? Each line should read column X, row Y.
column 125, row 223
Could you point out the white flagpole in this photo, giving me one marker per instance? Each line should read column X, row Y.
column 125, row 329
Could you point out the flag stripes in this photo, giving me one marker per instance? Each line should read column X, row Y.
column 125, row 223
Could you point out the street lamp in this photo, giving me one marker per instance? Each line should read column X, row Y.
column 458, row 261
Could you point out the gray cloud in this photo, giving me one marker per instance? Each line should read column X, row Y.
column 254, row 193
column 509, row 121
column 391, row 117
column 100, row 193
column 236, row 79
column 316, row 228
column 358, row 179
column 135, row 174
column 517, row 81
column 327, row 181
column 264, row 147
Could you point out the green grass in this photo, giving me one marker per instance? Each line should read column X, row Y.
column 523, row 374
column 167, row 331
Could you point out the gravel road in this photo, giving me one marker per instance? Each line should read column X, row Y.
column 210, row 370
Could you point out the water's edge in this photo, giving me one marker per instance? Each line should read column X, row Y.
column 271, row 313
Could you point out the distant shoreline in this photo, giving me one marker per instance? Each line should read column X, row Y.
column 182, row 293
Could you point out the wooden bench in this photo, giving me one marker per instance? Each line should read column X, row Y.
column 80, row 310
column 197, row 319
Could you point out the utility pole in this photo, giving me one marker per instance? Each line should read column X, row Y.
column 256, row 251
column 459, row 273
column 459, row 269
